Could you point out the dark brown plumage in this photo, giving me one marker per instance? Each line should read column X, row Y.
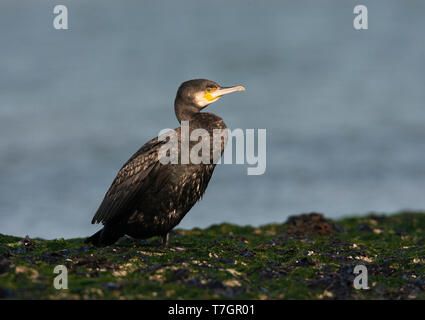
column 149, row 198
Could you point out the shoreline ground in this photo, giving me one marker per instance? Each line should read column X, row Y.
column 308, row 257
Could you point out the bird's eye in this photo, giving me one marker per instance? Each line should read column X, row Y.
column 208, row 89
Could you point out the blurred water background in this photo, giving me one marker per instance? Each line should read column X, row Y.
column 344, row 109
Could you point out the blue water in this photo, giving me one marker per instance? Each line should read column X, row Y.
column 344, row 110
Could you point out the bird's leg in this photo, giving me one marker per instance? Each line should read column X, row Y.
column 165, row 239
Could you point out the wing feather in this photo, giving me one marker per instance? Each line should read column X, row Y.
column 129, row 183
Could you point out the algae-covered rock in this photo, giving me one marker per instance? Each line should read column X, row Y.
column 312, row 224
column 308, row 257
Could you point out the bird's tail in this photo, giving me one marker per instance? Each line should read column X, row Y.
column 94, row 239
column 103, row 238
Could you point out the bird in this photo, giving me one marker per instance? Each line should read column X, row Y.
column 148, row 197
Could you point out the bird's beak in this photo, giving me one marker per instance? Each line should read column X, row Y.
column 226, row 90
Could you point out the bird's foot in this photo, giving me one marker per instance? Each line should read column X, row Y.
column 165, row 240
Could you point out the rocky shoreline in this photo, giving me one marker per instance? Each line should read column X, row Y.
column 307, row 257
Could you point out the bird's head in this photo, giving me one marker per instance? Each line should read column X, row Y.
column 194, row 95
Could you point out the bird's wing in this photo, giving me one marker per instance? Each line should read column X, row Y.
column 129, row 183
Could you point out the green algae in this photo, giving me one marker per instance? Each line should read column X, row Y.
column 227, row 262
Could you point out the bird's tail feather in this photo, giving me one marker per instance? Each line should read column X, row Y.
column 94, row 239
column 103, row 238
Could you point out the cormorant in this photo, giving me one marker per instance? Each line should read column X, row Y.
column 148, row 198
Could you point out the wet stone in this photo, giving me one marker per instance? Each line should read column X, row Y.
column 364, row 228
column 311, row 224
column 226, row 261
column 5, row 293
column 111, row 286
column 179, row 274
column 4, row 265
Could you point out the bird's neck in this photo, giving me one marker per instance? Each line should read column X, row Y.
column 184, row 111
